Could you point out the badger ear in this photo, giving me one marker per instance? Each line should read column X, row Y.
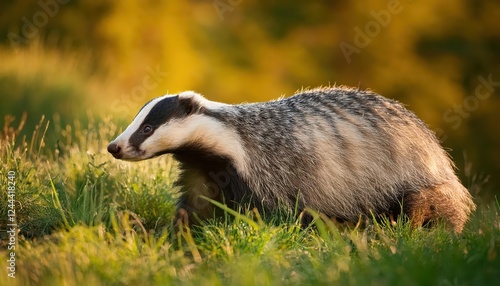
column 189, row 105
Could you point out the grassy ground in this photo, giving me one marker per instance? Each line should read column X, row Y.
column 87, row 219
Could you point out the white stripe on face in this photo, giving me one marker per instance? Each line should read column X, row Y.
column 123, row 139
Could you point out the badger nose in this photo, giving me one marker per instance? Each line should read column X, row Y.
column 114, row 149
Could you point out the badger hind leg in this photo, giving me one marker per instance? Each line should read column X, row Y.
column 449, row 202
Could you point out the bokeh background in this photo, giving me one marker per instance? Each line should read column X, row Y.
column 73, row 60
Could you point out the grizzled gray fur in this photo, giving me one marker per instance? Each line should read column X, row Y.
column 340, row 151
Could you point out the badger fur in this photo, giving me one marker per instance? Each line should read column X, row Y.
column 340, row 151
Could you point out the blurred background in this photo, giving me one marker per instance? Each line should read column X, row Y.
column 70, row 60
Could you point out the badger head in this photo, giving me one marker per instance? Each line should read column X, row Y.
column 163, row 125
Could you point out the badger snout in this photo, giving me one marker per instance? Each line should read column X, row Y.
column 115, row 150
column 124, row 152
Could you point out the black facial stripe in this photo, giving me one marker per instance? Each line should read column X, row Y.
column 163, row 111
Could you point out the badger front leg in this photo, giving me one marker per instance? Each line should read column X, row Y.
column 191, row 204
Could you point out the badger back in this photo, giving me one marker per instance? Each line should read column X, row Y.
column 340, row 151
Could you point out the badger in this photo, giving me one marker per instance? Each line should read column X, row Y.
column 339, row 151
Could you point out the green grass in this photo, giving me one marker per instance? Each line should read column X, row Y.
column 87, row 219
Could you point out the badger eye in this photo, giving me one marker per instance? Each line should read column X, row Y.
column 146, row 129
